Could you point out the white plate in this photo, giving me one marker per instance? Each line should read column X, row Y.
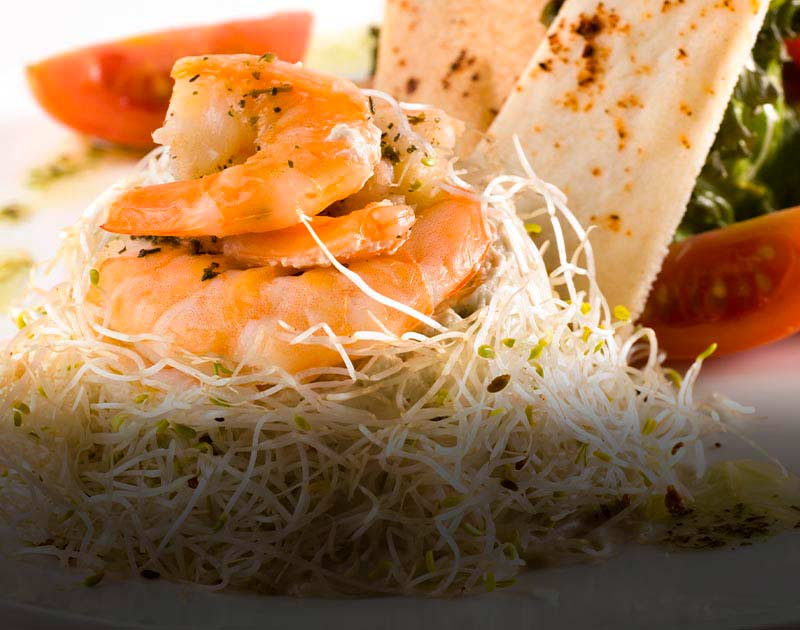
column 642, row 586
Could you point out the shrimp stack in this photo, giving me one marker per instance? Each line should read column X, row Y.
column 283, row 176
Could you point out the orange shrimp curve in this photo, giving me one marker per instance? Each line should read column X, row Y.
column 255, row 142
column 377, row 229
column 237, row 313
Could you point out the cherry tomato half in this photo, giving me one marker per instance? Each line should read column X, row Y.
column 120, row 91
column 738, row 286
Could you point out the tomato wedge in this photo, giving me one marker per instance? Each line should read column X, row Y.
column 738, row 286
column 120, row 91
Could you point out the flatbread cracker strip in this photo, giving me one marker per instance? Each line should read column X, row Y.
column 619, row 107
column 461, row 55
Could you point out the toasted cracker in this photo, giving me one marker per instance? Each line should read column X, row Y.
column 619, row 107
column 461, row 55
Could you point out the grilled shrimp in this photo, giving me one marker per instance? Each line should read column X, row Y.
column 377, row 171
column 237, row 313
column 254, row 142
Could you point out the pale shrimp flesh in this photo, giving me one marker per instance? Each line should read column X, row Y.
column 417, row 145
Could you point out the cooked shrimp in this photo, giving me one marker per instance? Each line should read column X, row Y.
column 158, row 274
column 255, row 142
column 417, row 145
column 379, row 228
column 237, row 313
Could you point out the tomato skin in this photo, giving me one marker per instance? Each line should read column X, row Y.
column 791, row 72
column 738, row 286
column 793, row 46
column 120, row 91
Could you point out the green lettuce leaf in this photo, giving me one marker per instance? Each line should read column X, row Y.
column 752, row 168
column 550, row 11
